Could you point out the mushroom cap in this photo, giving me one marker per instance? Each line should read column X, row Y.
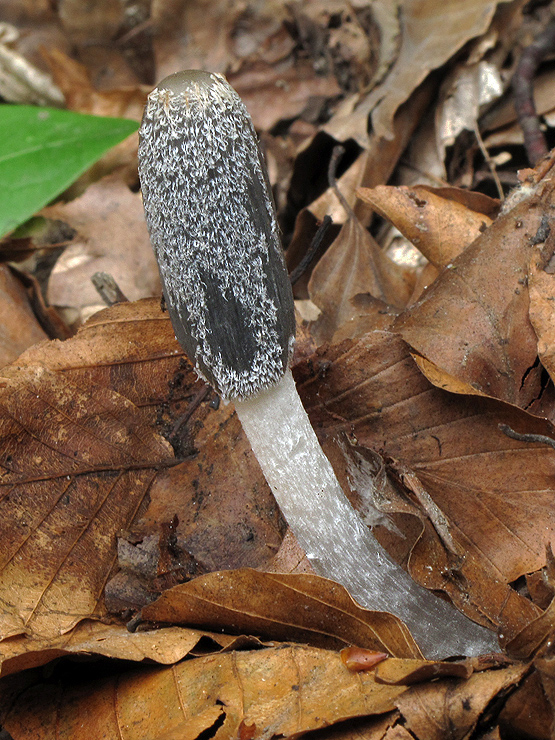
column 212, row 224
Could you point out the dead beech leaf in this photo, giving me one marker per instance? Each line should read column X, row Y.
column 431, row 32
column 298, row 606
column 227, row 515
column 273, row 93
column 74, row 80
column 19, row 328
column 79, row 455
column 352, row 265
column 77, row 466
column 111, row 237
column 495, row 493
column 283, row 692
column 453, row 707
column 541, row 286
column 527, row 711
column 165, row 646
column 534, row 635
column 408, row 672
column 473, row 321
column 441, row 228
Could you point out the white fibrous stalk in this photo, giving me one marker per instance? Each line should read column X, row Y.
column 337, row 542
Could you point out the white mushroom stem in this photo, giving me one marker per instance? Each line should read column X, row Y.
column 336, row 541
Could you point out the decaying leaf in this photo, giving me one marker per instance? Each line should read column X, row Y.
column 354, row 264
column 431, row 32
column 281, row 692
column 473, row 322
column 111, row 237
column 541, row 286
column 495, row 492
column 452, row 706
column 294, row 606
column 79, row 459
column 439, row 226
column 77, row 467
column 19, row 328
column 165, row 646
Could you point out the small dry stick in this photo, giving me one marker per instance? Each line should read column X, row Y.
column 523, row 88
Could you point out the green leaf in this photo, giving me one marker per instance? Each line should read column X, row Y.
column 43, row 150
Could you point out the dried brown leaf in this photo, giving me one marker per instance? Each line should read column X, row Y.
column 297, row 607
column 74, row 79
column 473, row 323
column 19, row 328
column 80, row 452
column 494, row 492
column 527, row 711
column 452, row 707
column 541, row 286
column 354, row 264
column 77, row 467
column 111, row 237
column 281, row 692
column 534, row 635
column 431, row 32
column 441, row 228
column 165, row 646
column 272, row 93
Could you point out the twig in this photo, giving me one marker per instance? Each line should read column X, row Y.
column 337, row 153
column 490, row 163
column 107, row 288
column 317, row 240
column 539, row 438
column 523, row 80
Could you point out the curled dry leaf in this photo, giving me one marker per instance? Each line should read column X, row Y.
column 453, row 707
column 535, row 635
column 528, row 710
column 354, row 264
column 302, row 607
column 284, row 691
column 473, row 322
column 441, row 228
column 361, row 659
column 165, row 646
column 431, row 32
column 494, row 492
column 19, row 329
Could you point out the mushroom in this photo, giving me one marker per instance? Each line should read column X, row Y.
column 213, row 228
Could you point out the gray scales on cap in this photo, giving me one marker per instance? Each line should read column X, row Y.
column 212, row 224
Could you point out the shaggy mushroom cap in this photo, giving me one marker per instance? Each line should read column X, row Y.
column 212, row 224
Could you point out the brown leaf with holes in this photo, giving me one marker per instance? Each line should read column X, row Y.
column 301, row 607
column 472, row 324
column 494, row 493
column 439, row 226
